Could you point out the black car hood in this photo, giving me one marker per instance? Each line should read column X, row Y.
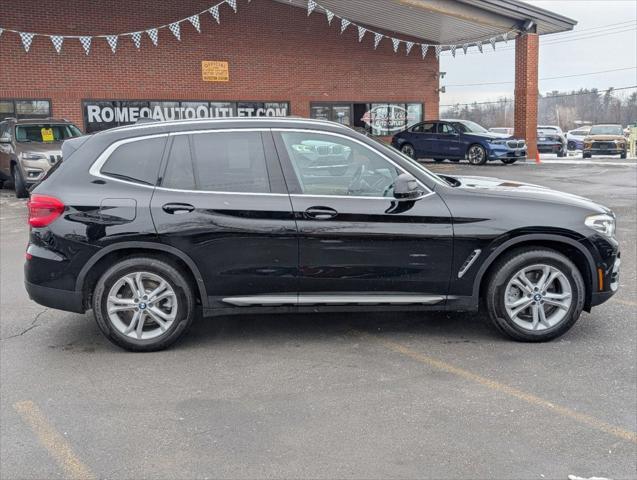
column 512, row 189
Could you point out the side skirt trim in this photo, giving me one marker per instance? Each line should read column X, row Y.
column 303, row 299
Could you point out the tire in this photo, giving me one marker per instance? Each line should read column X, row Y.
column 521, row 327
column 439, row 160
column 19, row 184
column 178, row 305
column 477, row 155
column 508, row 161
column 586, row 155
column 408, row 150
column 623, row 155
column 561, row 154
column 571, row 145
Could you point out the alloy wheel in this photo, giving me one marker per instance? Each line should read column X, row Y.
column 142, row 305
column 538, row 297
column 476, row 155
column 409, row 151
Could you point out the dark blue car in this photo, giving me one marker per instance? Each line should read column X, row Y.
column 458, row 139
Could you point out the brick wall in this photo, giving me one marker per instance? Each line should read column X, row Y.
column 275, row 53
column 526, row 89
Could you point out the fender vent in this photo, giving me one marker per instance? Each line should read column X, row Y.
column 468, row 262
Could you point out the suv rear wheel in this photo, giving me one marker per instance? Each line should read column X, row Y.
column 535, row 295
column 143, row 304
column 18, row 183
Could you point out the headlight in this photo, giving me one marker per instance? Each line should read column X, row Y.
column 497, row 142
column 602, row 223
column 33, row 156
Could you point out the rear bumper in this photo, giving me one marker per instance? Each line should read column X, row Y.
column 70, row 301
column 549, row 147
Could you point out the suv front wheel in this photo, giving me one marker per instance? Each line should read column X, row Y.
column 143, row 304
column 19, row 184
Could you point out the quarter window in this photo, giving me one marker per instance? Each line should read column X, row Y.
column 332, row 165
column 136, row 161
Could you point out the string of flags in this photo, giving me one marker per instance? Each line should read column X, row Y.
column 113, row 40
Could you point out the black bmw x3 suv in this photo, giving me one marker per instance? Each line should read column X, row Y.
column 151, row 225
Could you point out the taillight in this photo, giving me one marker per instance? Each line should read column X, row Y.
column 43, row 210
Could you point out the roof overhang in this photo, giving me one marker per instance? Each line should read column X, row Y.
column 446, row 22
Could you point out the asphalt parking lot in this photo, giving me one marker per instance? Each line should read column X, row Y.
column 318, row 396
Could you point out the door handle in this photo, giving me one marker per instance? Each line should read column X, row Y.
column 177, row 208
column 320, row 213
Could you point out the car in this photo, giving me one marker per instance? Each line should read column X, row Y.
column 508, row 131
column 551, row 139
column 575, row 138
column 605, row 140
column 458, row 139
column 151, row 226
column 29, row 148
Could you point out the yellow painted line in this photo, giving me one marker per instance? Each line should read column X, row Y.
column 625, row 302
column 52, row 441
column 582, row 418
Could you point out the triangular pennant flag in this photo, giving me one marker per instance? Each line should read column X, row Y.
column 344, row 24
column 86, row 43
column 174, row 27
column 214, row 11
column 112, row 42
column 57, row 41
column 465, row 47
column 479, row 45
column 1, row 30
column 492, row 42
column 453, row 50
column 396, row 43
column 505, row 37
column 329, row 15
column 438, row 50
column 194, row 19
column 137, row 38
column 233, row 4
column 154, row 35
column 311, row 5
column 410, row 45
column 361, row 33
column 423, row 49
column 377, row 38
column 26, row 38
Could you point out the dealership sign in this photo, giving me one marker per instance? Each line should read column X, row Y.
column 100, row 115
column 387, row 118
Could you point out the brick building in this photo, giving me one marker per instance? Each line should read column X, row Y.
column 268, row 58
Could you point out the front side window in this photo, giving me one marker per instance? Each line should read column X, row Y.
column 45, row 132
column 136, row 161
column 331, row 165
column 446, row 129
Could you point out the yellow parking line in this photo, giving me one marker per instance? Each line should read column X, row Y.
column 55, row 444
column 582, row 418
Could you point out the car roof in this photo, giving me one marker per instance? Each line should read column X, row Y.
column 607, row 125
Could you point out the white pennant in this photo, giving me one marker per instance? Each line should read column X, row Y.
column 344, row 24
column 396, row 43
column 505, row 37
column 1, row 30
column 86, row 43
column 329, row 15
column 311, row 5
column 423, row 49
column 194, row 19
column 492, row 42
column 233, row 4
column 465, row 47
column 361, row 33
column 377, row 38
column 26, row 38
column 438, row 50
column 112, row 42
column 479, row 45
column 137, row 38
column 174, row 27
column 214, row 11
column 453, row 50
column 410, row 45
column 57, row 41
column 154, row 35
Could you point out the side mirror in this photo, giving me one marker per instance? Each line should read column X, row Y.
column 407, row 188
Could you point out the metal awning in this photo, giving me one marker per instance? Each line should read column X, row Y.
column 445, row 21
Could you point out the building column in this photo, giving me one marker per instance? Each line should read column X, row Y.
column 526, row 89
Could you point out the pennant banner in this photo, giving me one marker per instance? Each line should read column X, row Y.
column 153, row 34
column 423, row 49
column 26, row 38
column 479, row 45
column 344, row 24
column 377, row 38
column 465, row 47
column 396, row 43
column 492, row 42
column 174, row 27
column 453, row 50
column 194, row 19
column 233, row 4
column 409, row 46
column 328, row 14
column 86, row 43
column 438, row 50
column 57, row 41
column 361, row 33
column 214, row 11
column 112, row 42
column 137, row 39
column 311, row 5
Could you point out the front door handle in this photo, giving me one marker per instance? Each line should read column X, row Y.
column 177, row 208
column 320, row 213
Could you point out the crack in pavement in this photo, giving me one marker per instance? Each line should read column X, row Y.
column 33, row 325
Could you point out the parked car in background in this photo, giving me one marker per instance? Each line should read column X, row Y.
column 456, row 140
column 508, row 131
column 575, row 138
column 29, row 148
column 605, row 140
column 151, row 225
column 551, row 139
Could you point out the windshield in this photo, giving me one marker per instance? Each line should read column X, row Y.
column 467, row 126
column 45, row 132
column 606, row 130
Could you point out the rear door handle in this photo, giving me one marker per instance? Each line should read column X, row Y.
column 320, row 213
column 177, row 208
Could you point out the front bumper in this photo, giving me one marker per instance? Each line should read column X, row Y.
column 507, row 153
column 605, row 151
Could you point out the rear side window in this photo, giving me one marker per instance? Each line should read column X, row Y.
column 136, row 161
column 218, row 161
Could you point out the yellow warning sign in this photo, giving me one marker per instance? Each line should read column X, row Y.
column 47, row 134
column 213, row 71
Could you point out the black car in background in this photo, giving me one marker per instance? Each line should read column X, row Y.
column 551, row 139
column 151, row 225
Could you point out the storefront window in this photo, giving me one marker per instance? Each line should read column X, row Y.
column 25, row 108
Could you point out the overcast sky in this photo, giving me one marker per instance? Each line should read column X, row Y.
column 595, row 47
